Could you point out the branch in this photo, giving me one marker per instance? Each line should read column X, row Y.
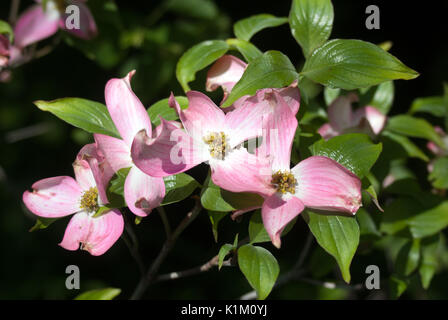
column 133, row 248
column 13, row 11
column 166, row 248
column 209, row 265
column 166, row 223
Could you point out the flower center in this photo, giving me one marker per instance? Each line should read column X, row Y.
column 284, row 182
column 89, row 200
column 217, row 144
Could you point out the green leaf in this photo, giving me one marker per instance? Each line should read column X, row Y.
column 215, row 218
column 42, row 223
column 434, row 105
column 115, row 189
column 397, row 286
column 162, row 109
column 259, row 267
column 354, row 151
column 99, row 294
column 430, row 222
column 211, row 197
column 352, row 64
column 408, row 258
column 247, row 49
column 5, row 28
column 244, row 29
column 337, row 235
column 178, row 187
column 411, row 149
column 373, row 197
column 439, row 174
column 429, row 263
column 413, row 127
column 88, row 115
column 116, row 184
column 271, row 70
column 331, row 94
column 197, row 58
column 214, row 198
column 199, row 9
column 366, row 224
column 223, row 252
column 257, row 231
column 311, row 22
column 397, row 214
column 383, row 97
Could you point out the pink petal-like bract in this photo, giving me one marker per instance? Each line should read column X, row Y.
column 172, row 151
column 277, row 213
column 35, row 25
column 375, row 119
column 324, row 184
column 4, row 51
column 279, row 127
column 143, row 192
column 243, row 172
column 92, row 170
column 126, row 110
column 225, row 73
column 201, row 116
column 95, row 234
column 327, row 131
column 340, row 114
column 116, row 151
column 87, row 26
column 54, row 197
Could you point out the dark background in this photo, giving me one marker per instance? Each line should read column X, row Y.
column 32, row 265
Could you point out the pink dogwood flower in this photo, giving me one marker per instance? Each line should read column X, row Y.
column 437, row 150
column 210, row 136
column 142, row 192
column 434, row 148
column 225, row 73
column 317, row 182
column 4, row 51
column 62, row 196
column 343, row 120
column 36, row 24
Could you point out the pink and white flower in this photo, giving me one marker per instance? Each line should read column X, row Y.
column 62, row 196
column 36, row 24
column 225, row 73
column 4, row 51
column 317, row 182
column 342, row 119
column 142, row 192
column 434, row 148
column 210, row 136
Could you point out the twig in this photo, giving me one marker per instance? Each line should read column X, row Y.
column 13, row 11
column 209, row 265
column 133, row 247
column 166, row 248
column 2, row 175
column 166, row 223
column 332, row 285
column 27, row 132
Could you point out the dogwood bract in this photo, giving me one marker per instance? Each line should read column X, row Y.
column 142, row 192
column 62, row 196
column 342, row 119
